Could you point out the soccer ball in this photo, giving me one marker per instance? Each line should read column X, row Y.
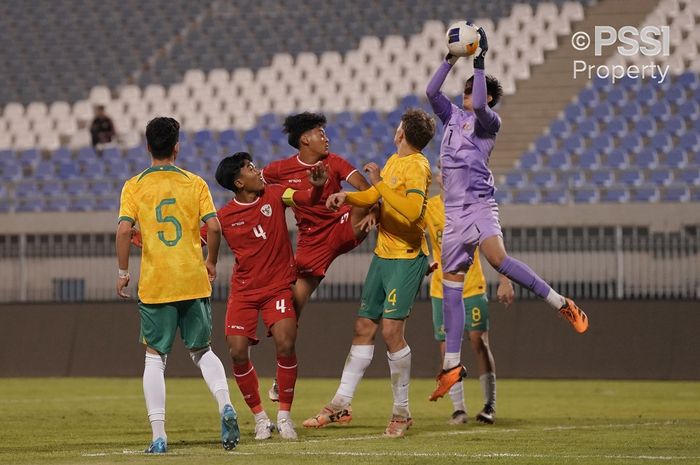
column 462, row 39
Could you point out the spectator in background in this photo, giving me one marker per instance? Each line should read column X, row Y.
column 101, row 128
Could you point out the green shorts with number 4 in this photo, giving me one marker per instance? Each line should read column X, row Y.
column 391, row 287
column 476, row 315
column 159, row 323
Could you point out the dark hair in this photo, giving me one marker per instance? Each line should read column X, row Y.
column 296, row 125
column 418, row 127
column 162, row 134
column 230, row 168
column 493, row 88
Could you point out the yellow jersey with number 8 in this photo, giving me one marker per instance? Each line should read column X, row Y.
column 168, row 203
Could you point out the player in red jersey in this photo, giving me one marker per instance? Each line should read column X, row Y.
column 254, row 226
column 323, row 234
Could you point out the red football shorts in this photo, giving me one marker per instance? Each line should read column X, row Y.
column 313, row 259
column 242, row 312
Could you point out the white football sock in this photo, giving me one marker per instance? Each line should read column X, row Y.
column 457, row 397
column 555, row 300
column 358, row 360
column 154, row 393
column 488, row 385
column 283, row 415
column 214, row 374
column 451, row 360
column 400, row 368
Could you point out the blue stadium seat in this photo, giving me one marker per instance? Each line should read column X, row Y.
column 559, row 160
column 695, row 194
column 102, row 187
column 526, row 196
column 676, row 158
column 588, row 97
column 617, row 159
column 410, row 101
column 560, row 129
column 228, row 137
column 600, row 178
column 632, row 142
column 369, row 118
column 574, row 112
column 354, row 134
column 689, row 176
column 30, row 157
column 30, row 204
column 76, row 188
column 647, row 95
column 25, row 189
column 630, row 84
column 647, row 158
column 675, row 193
column 646, row 126
column 86, row 155
column 203, row 137
column 615, row 194
column 82, row 204
column 588, row 159
column 546, row 144
column 268, row 121
column 515, row 179
column 588, row 128
column 690, row 109
column 585, row 194
column 617, row 127
column 45, row 170
column 543, row 179
column 556, row 194
column 94, row 171
column 631, row 111
column 529, row 160
column 252, row 135
column 345, row 119
column 675, row 125
column 661, row 110
column 661, row 142
column 617, row 96
column 111, row 153
column 689, row 80
column 690, row 141
column 574, row 144
column 603, row 144
column 5, row 205
column 645, row 193
column 660, row 176
column 675, row 94
column 61, row 154
column 107, row 203
column 10, row 170
column 571, row 178
column 503, row 196
column 628, row 177
column 604, row 112
column 57, row 204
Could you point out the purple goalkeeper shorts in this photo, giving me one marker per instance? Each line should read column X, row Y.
column 465, row 228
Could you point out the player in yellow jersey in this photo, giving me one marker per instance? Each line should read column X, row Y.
column 476, row 317
column 395, row 275
column 169, row 203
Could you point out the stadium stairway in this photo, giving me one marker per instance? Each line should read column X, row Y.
column 551, row 86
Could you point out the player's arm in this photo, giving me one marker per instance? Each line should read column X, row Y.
column 487, row 118
column 318, row 175
column 409, row 205
column 358, row 181
column 438, row 101
column 213, row 242
column 123, row 242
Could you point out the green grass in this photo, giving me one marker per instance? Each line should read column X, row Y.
column 98, row 421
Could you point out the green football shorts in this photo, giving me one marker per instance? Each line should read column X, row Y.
column 391, row 287
column 476, row 315
column 159, row 323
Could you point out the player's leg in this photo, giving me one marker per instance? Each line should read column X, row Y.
column 158, row 329
column 493, row 249
column 361, row 351
column 459, row 411
column 478, row 327
column 195, row 329
column 304, row 287
column 278, row 315
column 403, row 278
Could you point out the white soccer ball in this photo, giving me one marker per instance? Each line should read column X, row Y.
column 462, row 39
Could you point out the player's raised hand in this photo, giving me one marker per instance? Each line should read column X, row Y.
column 122, row 283
column 505, row 292
column 318, row 175
column 373, row 172
column 335, row 201
column 369, row 221
column 484, row 46
column 211, row 270
column 136, row 238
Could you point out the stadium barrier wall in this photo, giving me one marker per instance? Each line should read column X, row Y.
column 626, row 340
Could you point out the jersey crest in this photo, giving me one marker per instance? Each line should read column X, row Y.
column 266, row 210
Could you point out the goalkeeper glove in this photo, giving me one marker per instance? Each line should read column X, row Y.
column 484, row 46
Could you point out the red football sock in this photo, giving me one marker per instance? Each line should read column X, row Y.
column 286, row 379
column 247, row 380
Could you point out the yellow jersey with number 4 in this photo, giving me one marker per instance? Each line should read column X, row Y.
column 474, row 281
column 169, row 203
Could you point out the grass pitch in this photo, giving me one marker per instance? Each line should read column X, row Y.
column 100, row 421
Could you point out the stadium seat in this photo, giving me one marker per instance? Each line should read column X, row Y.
column 559, row 160
column 628, row 177
column 645, row 193
column 617, row 127
column 574, row 144
column 660, row 177
column 675, row 193
column 600, row 178
column 527, row 196
column 646, row 126
column 542, row 179
column 617, row 159
column 529, row 160
column 690, row 142
column 588, row 160
column 57, row 204
column 588, row 128
column 632, row 143
column 647, row 158
column 556, row 194
column 676, row 158
column 30, row 204
column 585, row 194
column 615, row 194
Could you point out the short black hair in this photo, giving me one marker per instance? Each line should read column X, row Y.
column 296, row 125
column 418, row 127
column 162, row 134
column 229, row 169
column 493, row 88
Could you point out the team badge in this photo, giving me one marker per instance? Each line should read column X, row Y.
column 266, row 210
column 467, row 126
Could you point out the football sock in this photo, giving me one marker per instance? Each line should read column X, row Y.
column 453, row 312
column 519, row 272
column 154, row 392
column 247, row 380
column 555, row 300
column 286, row 379
column 358, row 360
column 261, row 415
column 457, row 397
column 400, row 368
column 488, row 385
column 283, row 415
column 214, row 374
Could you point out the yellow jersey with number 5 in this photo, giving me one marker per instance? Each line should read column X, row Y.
column 474, row 281
column 168, row 203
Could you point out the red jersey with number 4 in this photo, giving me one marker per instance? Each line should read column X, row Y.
column 257, row 234
column 312, row 221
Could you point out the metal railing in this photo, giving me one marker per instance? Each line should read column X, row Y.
column 596, row 263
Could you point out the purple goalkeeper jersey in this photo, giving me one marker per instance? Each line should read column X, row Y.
column 467, row 141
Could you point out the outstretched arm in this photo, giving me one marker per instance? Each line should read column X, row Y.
column 488, row 119
column 441, row 104
column 318, row 175
column 409, row 205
